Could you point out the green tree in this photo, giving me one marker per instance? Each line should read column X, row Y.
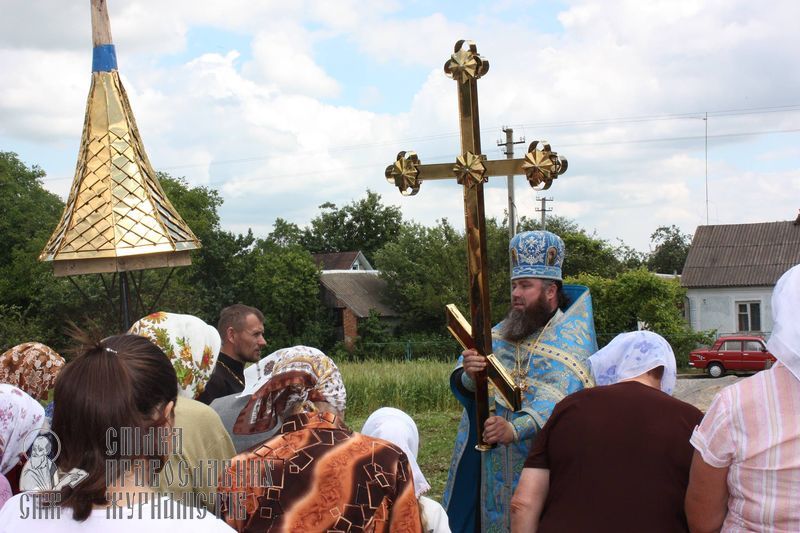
column 671, row 249
column 425, row 269
column 585, row 254
column 216, row 277
column 285, row 233
column 639, row 296
column 31, row 298
column 284, row 285
column 364, row 225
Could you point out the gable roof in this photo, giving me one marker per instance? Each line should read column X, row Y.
column 359, row 290
column 741, row 255
column 339, row 260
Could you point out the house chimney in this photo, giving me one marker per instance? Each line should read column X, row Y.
column 797, row 220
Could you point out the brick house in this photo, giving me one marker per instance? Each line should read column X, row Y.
column 730, row 273
column 352, row 290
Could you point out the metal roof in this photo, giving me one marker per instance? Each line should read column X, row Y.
column 741, row 255
column 337, row 260
column 358, row 290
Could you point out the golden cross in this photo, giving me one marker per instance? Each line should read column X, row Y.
column 540, row 165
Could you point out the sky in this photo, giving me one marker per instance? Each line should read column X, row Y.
column 283, row 106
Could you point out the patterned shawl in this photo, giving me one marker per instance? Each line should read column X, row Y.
column 299, row 375
column 397, row 427
column 191, row 344
column 32, row 367
column 21, row 417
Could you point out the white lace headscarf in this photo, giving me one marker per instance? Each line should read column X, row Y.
column 397, row 427
column 20, row 417
column 784, row 343
column 632, row 354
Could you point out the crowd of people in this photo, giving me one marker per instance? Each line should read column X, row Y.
column 176, row 425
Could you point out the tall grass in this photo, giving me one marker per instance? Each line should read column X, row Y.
column 413, row 386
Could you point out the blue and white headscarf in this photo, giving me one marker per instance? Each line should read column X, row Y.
column 632, row 354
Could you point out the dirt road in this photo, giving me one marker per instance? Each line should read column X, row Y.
column 700, row 391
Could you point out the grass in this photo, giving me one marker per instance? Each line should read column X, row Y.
column 414, row 386
column 421, row 389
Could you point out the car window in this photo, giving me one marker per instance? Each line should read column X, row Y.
column 752, row 346
column 732, row 346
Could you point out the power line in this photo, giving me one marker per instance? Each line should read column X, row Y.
column 455, row 134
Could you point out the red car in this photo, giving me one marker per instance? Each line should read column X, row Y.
column 738, row 353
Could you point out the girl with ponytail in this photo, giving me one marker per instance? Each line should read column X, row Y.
column 114, row 410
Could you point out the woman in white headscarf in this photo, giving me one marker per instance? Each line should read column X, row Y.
column 397, row 427
column 626, row 438
column 634, row 354
column 746, row 467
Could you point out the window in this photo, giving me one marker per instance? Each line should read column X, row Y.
column 749, row 316
column 752, row 346
column 732, row 346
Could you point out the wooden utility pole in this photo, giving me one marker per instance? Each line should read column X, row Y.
column 509, row 151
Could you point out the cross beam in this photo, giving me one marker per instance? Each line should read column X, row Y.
column 472, row 169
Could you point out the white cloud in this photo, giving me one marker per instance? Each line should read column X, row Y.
column 282, row 56
column 262, row 123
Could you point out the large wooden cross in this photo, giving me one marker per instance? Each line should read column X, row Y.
column 540, row 165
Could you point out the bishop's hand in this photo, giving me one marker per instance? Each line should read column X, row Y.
column 498, row 430
column 473, row 362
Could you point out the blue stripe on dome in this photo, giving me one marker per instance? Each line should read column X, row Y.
column 104, row 58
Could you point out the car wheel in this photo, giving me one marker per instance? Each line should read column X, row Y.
column 715, row 370
column 768, row 364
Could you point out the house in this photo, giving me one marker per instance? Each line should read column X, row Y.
column 730, row 273
column 341, row 261
column 351, row 288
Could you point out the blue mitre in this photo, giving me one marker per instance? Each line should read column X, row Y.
column 536, row 254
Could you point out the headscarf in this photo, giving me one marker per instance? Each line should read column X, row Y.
column 19, row 416
column 397, row 427
column 632, row 354
column 5, row 490
column 191, row 344
column 299, row 375
column 784, row 343
column 32, row 367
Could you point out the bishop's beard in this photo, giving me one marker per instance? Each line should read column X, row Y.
column 521, row 323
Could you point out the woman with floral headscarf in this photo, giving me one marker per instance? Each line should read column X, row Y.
column 625, row 440
column 746, row 467
column 33, row 367
column 21, row 417
column 192, row 347
column 315, row 474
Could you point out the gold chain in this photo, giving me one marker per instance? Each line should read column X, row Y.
column 520, row 378
column 232, row 373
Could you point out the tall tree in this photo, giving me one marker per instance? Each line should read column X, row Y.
column 640, row 298
column 585, row 254
column 671, row 249
column 364, row 225
column 30, row 297
column 425, row 269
